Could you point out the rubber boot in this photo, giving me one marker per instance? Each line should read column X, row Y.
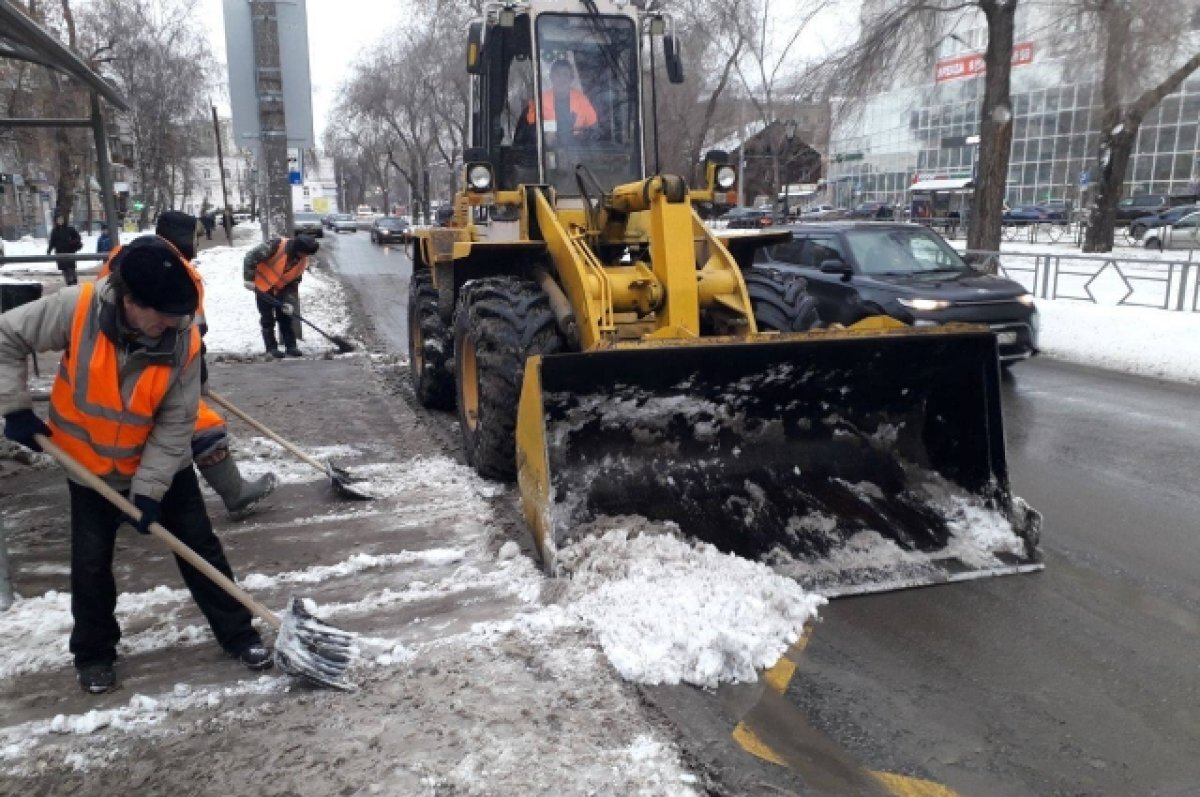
column 271, row 344
column 240, row 496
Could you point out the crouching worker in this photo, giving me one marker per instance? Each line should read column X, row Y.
column 124, row 405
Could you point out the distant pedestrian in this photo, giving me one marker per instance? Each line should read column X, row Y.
column 104, row 243
column 209, row 220
column 65, row 240
column 273, row 271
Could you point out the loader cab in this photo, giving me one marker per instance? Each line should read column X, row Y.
column 553, row 90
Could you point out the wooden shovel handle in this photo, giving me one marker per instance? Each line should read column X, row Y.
column 224, row 402
column 121, row 502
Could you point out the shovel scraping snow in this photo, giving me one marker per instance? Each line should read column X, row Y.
column 305, row 647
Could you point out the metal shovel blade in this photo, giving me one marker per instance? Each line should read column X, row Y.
column 308, row 648
column 346, row 485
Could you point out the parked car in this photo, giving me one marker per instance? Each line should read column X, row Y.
column 1059, row 209
column 1183, row 234
column 908, row 272
column 878, row 211
column 308, row 224
column 344, row 222
column 1026, row 214
column 748, row 218
column 1134, row 207
column 1139, row 226
column 388, row 229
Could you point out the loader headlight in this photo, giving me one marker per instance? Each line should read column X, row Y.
column 924, row 305
column 725, row 177
column 1026, row 299
column 479, row 176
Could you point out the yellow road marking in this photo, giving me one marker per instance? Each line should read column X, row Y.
column 780, row 674
column 903, row 786
column 755, row 746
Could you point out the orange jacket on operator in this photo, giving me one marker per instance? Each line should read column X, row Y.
column 274, row 274
column 89, row 416
column 581, row 106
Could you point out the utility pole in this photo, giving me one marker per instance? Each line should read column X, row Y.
column 226, row 214
column 277, row 198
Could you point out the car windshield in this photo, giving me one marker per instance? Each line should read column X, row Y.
column 307, row 217
column 394, row 224
column 903, row 250
column 345, row 217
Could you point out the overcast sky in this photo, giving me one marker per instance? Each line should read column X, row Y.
column 346, row 27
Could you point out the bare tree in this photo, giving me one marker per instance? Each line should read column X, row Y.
column 902, row 37
column 1145, row 58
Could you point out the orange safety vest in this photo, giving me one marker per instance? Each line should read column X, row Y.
column 206, row 417
column 581, row 107
column 90, row 417
column 274, row 274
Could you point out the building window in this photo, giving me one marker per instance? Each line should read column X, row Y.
column 207, row 175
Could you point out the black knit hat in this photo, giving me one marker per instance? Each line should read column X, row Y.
column 180, row 229
column 156, row 277
column 303, row 245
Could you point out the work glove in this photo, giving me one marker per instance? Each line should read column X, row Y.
column 248, row 285
column 151, row 509
column 20, row 427
column 286, row 308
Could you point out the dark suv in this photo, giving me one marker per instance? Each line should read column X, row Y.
column 1134, row 207
column 748, row 218
column 905, row 271
column 386, row 229
column 880, row 211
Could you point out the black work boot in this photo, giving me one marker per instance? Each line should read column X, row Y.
column 240, row 496
column 294, row 351
column 96, row 679
column 271, row 344
column 256, row 657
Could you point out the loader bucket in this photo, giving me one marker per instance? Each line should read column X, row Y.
column 854, row 461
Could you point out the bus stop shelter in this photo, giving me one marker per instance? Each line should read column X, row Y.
column 22, row 39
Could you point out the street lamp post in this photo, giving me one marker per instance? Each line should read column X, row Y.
column 789, row 135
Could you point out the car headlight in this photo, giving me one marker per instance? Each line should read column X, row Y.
column 479, row 176
column 725, row 177
column 1026, row 299
column 925, row 304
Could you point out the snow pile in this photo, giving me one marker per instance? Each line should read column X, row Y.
column 1136, row 340
column 668, row 610
column 232, row 315
column 257, row 456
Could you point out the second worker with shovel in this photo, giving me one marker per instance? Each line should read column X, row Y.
column 273, row 271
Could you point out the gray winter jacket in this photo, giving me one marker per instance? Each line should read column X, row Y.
column 45, row 325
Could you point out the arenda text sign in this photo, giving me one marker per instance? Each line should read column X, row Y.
column 965, row 66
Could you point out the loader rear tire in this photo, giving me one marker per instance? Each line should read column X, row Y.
column 780, row 302
column 430, row 345
column 500, row 323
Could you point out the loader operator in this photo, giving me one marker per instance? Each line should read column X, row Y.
column 124, row 406
column 273, row 271
column 562, row 95
column 210, row 440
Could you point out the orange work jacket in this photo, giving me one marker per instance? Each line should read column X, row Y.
column 581, row 106
column 102, row 426
column 274, row 274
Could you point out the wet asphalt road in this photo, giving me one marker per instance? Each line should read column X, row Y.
column 1080, row 680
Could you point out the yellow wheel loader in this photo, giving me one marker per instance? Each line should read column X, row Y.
column 618, row 357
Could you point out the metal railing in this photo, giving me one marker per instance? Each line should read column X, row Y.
column 1098, row 278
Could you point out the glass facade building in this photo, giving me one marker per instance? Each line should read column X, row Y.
column 917, row 132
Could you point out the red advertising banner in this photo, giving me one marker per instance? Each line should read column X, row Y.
column 965, row 66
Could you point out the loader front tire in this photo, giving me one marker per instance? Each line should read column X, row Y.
column 430, row 345
column 780, row 302
column 500, row 323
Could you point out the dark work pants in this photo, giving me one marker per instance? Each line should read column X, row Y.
column 94, row 523
column 69, row 269
column 269, row 316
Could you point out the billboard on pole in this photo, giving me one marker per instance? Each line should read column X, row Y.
column 293, row 56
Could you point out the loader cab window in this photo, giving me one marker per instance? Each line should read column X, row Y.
column 587, row 108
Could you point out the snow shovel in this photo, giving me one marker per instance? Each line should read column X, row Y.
column 343, row 345
column 340, row 478
column 305, row 647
